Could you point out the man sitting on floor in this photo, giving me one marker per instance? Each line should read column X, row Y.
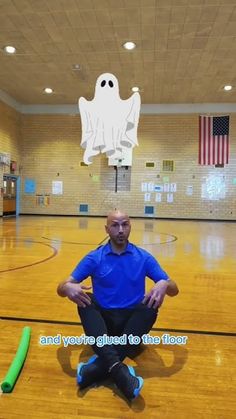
column 118, row 305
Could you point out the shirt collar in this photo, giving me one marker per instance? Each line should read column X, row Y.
column 108, row 249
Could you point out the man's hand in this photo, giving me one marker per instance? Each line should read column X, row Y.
column 155, row 297
column 75, row 293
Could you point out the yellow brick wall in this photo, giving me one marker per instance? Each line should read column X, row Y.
column 51, row 151
column 10, row 134
column 47, row 148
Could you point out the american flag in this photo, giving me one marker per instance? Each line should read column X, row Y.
column 213, row 140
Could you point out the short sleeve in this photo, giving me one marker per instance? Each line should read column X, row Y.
column 154, row 270
column 84, row 269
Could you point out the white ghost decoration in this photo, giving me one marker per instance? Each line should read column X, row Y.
column 109, row 124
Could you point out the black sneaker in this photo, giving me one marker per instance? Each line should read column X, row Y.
column 91, row 372
column 126, row 380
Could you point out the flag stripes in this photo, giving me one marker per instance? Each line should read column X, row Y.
column 213, row 140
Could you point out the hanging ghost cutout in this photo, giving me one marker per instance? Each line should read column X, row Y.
column 109, row 124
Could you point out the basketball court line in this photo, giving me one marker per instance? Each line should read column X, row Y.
column 174, row 238
column 34, row 263
column 55, row 252
column 67, row 242
column 156, row 329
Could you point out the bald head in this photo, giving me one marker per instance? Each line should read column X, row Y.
column 118, row 227
column 117, row 215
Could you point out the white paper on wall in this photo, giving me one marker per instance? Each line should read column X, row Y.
column 57, row 187
column 147, row 197
column 189, row 190
column 158, row 197
column 144, row 187
column 150, row 187
column 170, row 198
column 173, row 187
column 166, row 187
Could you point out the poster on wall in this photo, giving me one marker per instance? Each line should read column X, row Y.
column 170, row 198
column 189, row 190
column 5, row 158
column 57, row 187
column 30, row 186
column 150, row 187
column 144, row 186
column 166, row 187
column 147, row 197
column 165, row 179
column 158, row 197
column 214, row 187
column 173, row 187
column 158, row 188
column 42, row 200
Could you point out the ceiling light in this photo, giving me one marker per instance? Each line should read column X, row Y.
column 129, row 45
column 9, row 49
column 135, row 89
column 48, row 90
column 76, row 67
column 228, row 87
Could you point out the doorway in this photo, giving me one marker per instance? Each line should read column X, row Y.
column 11, row 192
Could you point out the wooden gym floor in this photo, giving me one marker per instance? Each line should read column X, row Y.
column 180, row 381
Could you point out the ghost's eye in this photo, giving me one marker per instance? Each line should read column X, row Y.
column 110, row 83
column 103, row 83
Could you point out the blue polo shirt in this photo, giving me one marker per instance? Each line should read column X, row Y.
column 118, row 280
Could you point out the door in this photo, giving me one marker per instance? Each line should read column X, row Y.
column 9, row 195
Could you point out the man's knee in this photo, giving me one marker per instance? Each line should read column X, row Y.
column 149, row 314
column 88, row 308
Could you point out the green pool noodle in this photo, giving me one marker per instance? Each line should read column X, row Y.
column 17, row 363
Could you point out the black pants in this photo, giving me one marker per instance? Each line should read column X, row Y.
column 98, row 321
